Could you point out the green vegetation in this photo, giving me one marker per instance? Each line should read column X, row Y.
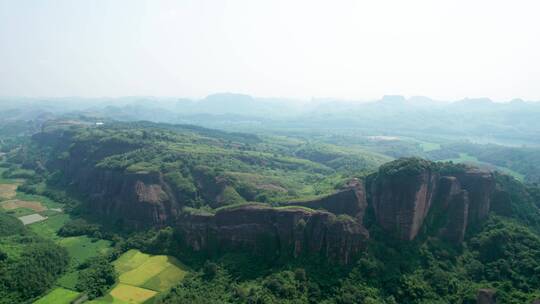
column 405, row 167
column 49, row 228
column 17, row 252
column 215, row 285
column 33, row 272
column 210, row 171
column 502, row 255
column 58, row 295
column 78, row 227
column 207, row 168
column 29, row 264
column 158, row 272
column 10, row 225
column 521, row 162
column 96, row 278
column 142, row 276
column 81, row 248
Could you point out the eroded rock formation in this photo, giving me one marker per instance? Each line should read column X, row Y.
column 405, row 195
column 401, row 200
column 408, row 197
column 288, row 231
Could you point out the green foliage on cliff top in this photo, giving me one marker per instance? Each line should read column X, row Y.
column 405, row 167
column 209, row 167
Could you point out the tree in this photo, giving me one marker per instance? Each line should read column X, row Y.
column 97, row 278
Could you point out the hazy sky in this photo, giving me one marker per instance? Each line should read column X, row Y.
column 302, row 49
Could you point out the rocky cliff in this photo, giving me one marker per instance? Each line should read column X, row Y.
column 137, row 199
column 407, row 192
column 278, row 232
column 146, row 198
column 408, row 197
column 402, row 198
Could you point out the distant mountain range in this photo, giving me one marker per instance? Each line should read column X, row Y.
column 390, row 115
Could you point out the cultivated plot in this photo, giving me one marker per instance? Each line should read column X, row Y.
column 58, row 296
column 32, row 218
column 8, row 191
column 142, row 276
column 16, row 203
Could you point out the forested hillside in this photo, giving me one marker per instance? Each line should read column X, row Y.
column 267, row 219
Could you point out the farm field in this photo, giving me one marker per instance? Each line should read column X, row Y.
column 30, row 209
column 8, row 191
column 58, row 296
column 131, row 294
column 32, row 218
column 45, row 217
column 142, row 276
column 15, row 204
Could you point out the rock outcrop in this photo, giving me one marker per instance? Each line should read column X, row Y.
column 486, row 296
column 136, row 199
column 407, row 192
column 457, row 214
column 407, row 196
column 278, row 232
column 480, row 185
column 401, row 200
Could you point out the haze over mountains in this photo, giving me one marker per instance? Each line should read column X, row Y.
column 479, row 119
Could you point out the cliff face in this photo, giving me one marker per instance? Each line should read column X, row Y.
column 402, row 203
column 136, row 198
column 480, row 186
column 407, row 197
column 279, row 232
column 146, row 199
column 139, row 199
column 403, row 199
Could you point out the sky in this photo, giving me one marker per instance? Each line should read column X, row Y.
column 446, row 50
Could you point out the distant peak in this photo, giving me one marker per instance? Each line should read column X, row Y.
column 229, row 96
column 393, row 99
column 476, row 101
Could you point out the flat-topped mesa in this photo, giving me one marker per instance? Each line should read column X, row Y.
column 406, row 191
column 278, row 232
